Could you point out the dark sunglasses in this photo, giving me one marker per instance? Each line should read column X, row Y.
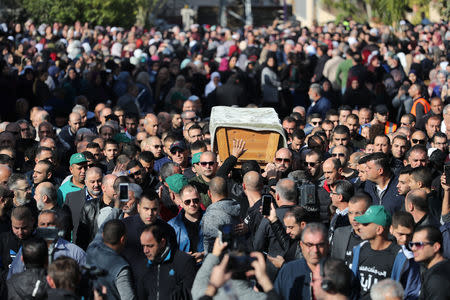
column 316, row 123
column 175, row 151
column 157, row 146
column 418, row 245
column 137, row 173
column 416, row 141
column 188, row 201
column 280, row 160
column 338, row 154
column 310, row 164
column 206, row 163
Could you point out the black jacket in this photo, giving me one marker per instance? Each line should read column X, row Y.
column 133, row 250
column 435, row 282
column 75, row 202
column 88, row 222
column 23, row 285
column 170, row 278
column 9, row 246
column 59, row 294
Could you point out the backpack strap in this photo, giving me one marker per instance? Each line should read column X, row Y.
column 355, row 261
column 399, row 262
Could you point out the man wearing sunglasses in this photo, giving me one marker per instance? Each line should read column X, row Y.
column 178, row 154
column 343, row 154
column 313, row 161
column 281, row 165
column 187, row 223
column 419, row 137
column 378, row 258
column 208, row 165
column 427, row 246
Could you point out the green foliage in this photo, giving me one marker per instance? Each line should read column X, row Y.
column 99, row 12
column 349, row 9
column 391, row 11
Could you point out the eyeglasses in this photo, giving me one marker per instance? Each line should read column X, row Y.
column 175, row 151
column 157, row 146
column 311, row 164
column 188, row 201
column 207, row 163
column 416, row 141
column 318, row 245
column 418, row 245
column 338, row 154
column 280, row 160
column 137, row 173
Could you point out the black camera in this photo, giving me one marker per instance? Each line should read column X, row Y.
column 239, row 260
column 49, row 233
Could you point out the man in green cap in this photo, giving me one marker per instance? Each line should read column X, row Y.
column 175, row 183
column 78, row 167
column 378, row 258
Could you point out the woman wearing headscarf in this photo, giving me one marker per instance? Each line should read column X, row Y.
column 213, row 83
column 270, row 82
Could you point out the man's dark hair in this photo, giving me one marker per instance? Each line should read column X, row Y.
column 402, row 218
column 344, row 107
column 344, row 188
column 406, row 170
column 41, row 149
column 422, row 174
column 382, row 136
column 130, row 150
column 361, row 196
column 418, row 148
column 381, row 160
column 111, row 141
column 132, row 116
column 198, row 145
column 403, row 138
column 331, row 112
column 353, row 116
column 289, row 119
column 22, row 213
column 418, row 201
column 410, row 117
column 299, row 134
column 157, row 231
column 250, row 165
column 338, row 275
column 65, row 273
column 50, row 166
column 434, row 235
column 195, row 126
column 113, row 231
column 341, row 129
column 34, row 252
column 92, row 145
column 146, row 156
column 299, row 213
column 88, row 155
column 149, row 195
column 314, row 152
column 438, row 135
column 134, row 163
column 6, row 159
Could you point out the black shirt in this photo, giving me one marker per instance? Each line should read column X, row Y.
column 375, row 265
column 9, row 246
column 353, row 241
column 192, row 229
column 436, row 281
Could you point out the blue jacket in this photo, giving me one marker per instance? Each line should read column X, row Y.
column 391, row 200
column 321, row 107
column 293, row 280
column 184, row 244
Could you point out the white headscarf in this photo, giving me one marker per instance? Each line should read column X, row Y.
column 210, row 87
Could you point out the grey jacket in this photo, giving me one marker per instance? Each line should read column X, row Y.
column 226, row 211
column 241, row 289
column 339, row 242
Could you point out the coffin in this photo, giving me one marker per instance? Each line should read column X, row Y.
column 260, row 128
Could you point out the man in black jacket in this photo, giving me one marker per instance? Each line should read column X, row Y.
column 30, row 284
column 170, row 273
column 148, row 212
column 87, row 227
column 345, row 238
column 427, row 246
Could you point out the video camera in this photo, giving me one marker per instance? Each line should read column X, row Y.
column 49, row 234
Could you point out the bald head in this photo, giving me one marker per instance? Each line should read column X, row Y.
column 93, row 171
column 218, row 188
column 253, row 181
column 108, row 180
column 5, row 173
column 74, row 121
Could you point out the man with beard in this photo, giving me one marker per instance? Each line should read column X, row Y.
column 208, row 165
column 343, row 154
column 139, row 174
column 18, row 184
column 45, row 196
column 313, row 162
column 131, row 124
column 78, row 166
column 403, row 181
column 352, row 122
column 88, row 226
column 332, row 170
column 439, row 141
column 281, row 166
column 400, row 145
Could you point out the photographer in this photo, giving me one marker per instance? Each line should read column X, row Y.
column 211, row 277
column 63, row 278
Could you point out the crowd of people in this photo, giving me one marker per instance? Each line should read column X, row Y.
column 109, row 187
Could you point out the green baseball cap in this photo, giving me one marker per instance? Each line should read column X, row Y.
column 176, row 182
column 196, row 158
column 375, row 214
column 77, row 158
